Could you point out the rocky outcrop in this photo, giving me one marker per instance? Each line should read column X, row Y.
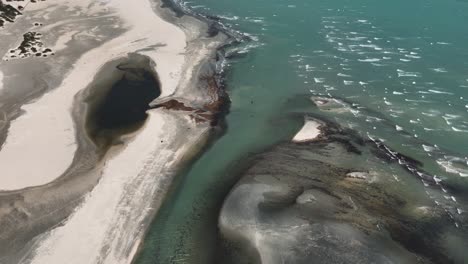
column 30, row 46
column 7, row 13
column 12, row 9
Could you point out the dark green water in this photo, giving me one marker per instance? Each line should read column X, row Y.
column 118, row 101
column 397, row 69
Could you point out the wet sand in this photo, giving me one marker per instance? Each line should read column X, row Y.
column 103, row 202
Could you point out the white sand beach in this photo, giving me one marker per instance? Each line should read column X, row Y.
column 310, row 131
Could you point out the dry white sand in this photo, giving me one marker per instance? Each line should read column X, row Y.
column 1, row 80
column 41, row 143
column 310, row 131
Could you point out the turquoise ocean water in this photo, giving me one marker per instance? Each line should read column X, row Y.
column 397, row 69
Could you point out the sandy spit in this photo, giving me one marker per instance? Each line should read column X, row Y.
column 109, row 224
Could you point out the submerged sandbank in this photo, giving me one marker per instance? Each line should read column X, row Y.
column 339, row 198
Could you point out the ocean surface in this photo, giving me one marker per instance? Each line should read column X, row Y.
column 397, row 72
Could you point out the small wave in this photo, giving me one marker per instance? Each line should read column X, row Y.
column 454, row 165
column 449, row 117
column 319, row 80
column 197, row 6
column 230, row 18
column 243, row 49
column 309, row 68
column 348, row 82
column 372, row 119
column 439, row 70
column 412, row 56
column 369, row 60
column 356, row 38
column 428, row 148
column 459, row 130
column 343, row 75
column 398, row 128
column 439, row 92
column 370, row 46
column 417, row 101
column 431, row 113
column 402, row 73
column 258, row 20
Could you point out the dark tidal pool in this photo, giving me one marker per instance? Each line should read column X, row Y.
column 119, row 98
